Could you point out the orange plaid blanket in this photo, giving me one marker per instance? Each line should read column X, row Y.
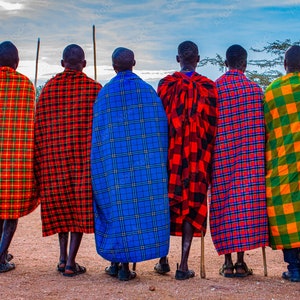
column 17, row 98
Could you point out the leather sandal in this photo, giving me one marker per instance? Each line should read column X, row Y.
column 227, row 271
column 183, row 275
column 6, row 267
column 124, row 275
column 245, row 270
column 113, row 269
column 162, row 268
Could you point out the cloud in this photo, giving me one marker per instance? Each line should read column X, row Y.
column 10, row 6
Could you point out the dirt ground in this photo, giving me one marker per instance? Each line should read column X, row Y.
column 35, row 276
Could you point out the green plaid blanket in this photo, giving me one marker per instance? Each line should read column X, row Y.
column 282, row 115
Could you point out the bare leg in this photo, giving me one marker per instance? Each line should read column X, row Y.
column 1, row 227
column 163, row 260
column 8, row 230
column 187, row 237
column 227, row 269
column 63, row 238
column 228, row 259
column 240, row 257
column 76, row 238
column 241, row 268
column 125, row 267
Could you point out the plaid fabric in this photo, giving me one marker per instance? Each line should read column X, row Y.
column 190, row 104
column 282, row 107
column 238, row 212
column 63, row 130
column 129, row 173
column 17, row 98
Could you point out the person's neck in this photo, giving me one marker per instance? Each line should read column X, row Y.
column 292, row 71
column 187, row 69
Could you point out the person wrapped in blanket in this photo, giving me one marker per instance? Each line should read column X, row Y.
column 17, row 100
column 282, row 117
column 63, row 130
column 190, row 101
column 238, row 208
column 129, row 170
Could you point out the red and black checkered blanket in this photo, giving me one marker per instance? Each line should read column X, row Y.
column 63, row 130
column 190, row 104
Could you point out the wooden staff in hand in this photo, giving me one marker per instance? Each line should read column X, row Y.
column 94, row 47
column 202, row 263
column 36, row 63
column 264, row 260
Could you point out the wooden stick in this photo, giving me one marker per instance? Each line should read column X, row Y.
column 202, row 263
column 94, row 47
column 264, row 260
column 134, row 267
column 36, row 63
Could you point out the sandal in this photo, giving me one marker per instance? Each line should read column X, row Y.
column 162, row 268
column 9, row 257
column 227, row 271
column 245, row 270
column 6, row 267
column 75, row 270
column 61, row 266
column 124, row 275
column 113, row 269
column 182, row 275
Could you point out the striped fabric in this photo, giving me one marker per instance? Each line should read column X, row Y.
column 238, row 213
column 282, row 107
column 190, row 104
column 63, row 131
column 17, row 98
column 129, row 174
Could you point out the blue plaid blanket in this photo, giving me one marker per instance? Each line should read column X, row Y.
column 129, row 173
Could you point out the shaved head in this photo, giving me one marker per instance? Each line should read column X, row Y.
column 9, row 56
column 292, row 59
column 236, row 57
column 188, row 52
column 73, row 57
column 123, row 59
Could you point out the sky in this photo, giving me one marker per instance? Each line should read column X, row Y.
column 152, row 29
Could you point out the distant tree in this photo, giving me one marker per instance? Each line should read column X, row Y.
column 267, row 68
column 38, row 92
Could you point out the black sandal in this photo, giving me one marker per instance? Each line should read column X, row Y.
column 162, row 268
column 61, row 268
column 76, row 270
column 242, row 266
column 9, row 257
column 125, row 275
column 6, row 267
column 113, row 269
column 224, row 271
column 183, row 275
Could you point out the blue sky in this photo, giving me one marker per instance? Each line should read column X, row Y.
column 152, row 29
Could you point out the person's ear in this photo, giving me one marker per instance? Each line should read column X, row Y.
column 134, row 62
column 177, row 58
column 198, row 59
column 284, row 64
column 115, row 68
column 16, row 64
column 62, row 63
column 84, row 64
column 226, row 63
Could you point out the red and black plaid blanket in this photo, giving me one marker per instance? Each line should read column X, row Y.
column 63, row 130
column 190, row 104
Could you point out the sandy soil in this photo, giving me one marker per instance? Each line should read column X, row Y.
column 35, row 276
